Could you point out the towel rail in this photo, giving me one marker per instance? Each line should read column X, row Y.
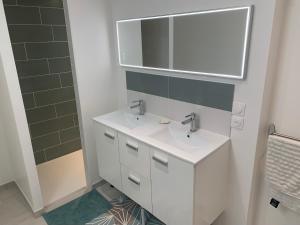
column 272, row 131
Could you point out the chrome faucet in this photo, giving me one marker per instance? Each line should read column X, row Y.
column 192, row 119
column 141, row 105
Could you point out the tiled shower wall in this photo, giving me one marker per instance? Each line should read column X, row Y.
column 39, row 40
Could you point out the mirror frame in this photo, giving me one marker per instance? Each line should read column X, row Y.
column 244, row 65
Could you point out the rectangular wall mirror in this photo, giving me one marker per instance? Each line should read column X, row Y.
column 212, row 43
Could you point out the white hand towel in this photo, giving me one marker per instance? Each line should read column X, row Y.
column 283, row 171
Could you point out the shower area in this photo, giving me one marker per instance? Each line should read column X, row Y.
column 39, row 41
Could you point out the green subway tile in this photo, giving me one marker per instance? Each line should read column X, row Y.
column 38, row 33
column 60, row 65
column 9, row 2
column 66, row 108
column 76, row 120
column 52, row 16
column 19, row 51
column 22, row 15
column 146, row 83
column 28, row 100
column 32, row 67
column 66, row 79
column 39, row 157
column 47, row 50
column 30, row 33
column 210, row 94
column 45, row 3
column 40, row 83
column 55, row 96
column 69, row 134
column 46, row 141
column 52, row 125
column 63, row 149
column 60, row 33
column 40, row 114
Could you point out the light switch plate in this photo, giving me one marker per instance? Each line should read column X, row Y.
column 237, row 122
column 238, row 109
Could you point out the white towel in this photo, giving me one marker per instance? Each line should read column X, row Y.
column 283, row 171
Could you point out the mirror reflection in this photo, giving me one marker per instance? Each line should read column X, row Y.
column 209, row 43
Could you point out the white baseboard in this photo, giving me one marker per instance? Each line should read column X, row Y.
column 2, row 183
column 66, row 199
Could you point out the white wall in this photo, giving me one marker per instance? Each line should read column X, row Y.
column 286, row 108
column 5, row 168
column 89, row 29
column 285, row 111
column 13, row 116
column 251, row 91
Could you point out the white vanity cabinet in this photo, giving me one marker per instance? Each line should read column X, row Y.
column 174, row 187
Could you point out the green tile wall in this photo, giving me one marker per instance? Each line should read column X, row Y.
column 39, row 40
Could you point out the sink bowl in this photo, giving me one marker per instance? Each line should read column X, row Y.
column 179, row 136
column 128, row 119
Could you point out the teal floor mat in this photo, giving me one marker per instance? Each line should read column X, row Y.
column 93, row 209
column 79, row 211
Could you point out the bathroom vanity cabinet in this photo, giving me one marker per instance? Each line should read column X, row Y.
column 173, row 189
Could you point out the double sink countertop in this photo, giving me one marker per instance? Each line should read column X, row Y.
column 172, row 138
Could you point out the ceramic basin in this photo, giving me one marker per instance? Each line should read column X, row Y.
column 128, row 119
column 179, row 136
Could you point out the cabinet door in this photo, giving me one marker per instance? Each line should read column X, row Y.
column 172, row 189
column 108, row 155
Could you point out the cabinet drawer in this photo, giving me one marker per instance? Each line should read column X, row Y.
column 137, row 187
column 134, row 155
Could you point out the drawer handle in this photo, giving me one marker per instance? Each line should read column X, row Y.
column 134, row 180
column 109, row 135
column 164, row 162
column 133, row 147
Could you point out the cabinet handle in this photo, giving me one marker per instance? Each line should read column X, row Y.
column 134, row 180
column 111, row 136
column 133, row 147
column 164, row 162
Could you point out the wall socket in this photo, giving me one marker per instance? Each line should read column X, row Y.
column 237, row 122
column 238, row 109
column 238, row 114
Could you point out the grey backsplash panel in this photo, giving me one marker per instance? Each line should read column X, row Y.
column 39, row 39
column 209, row 94
column 147, row 83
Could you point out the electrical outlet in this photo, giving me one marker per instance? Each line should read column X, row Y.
column 237, row 122
column 238, row 109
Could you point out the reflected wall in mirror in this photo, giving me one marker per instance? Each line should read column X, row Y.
column 213, row 42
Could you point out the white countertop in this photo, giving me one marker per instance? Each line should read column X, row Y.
column 152, row 133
